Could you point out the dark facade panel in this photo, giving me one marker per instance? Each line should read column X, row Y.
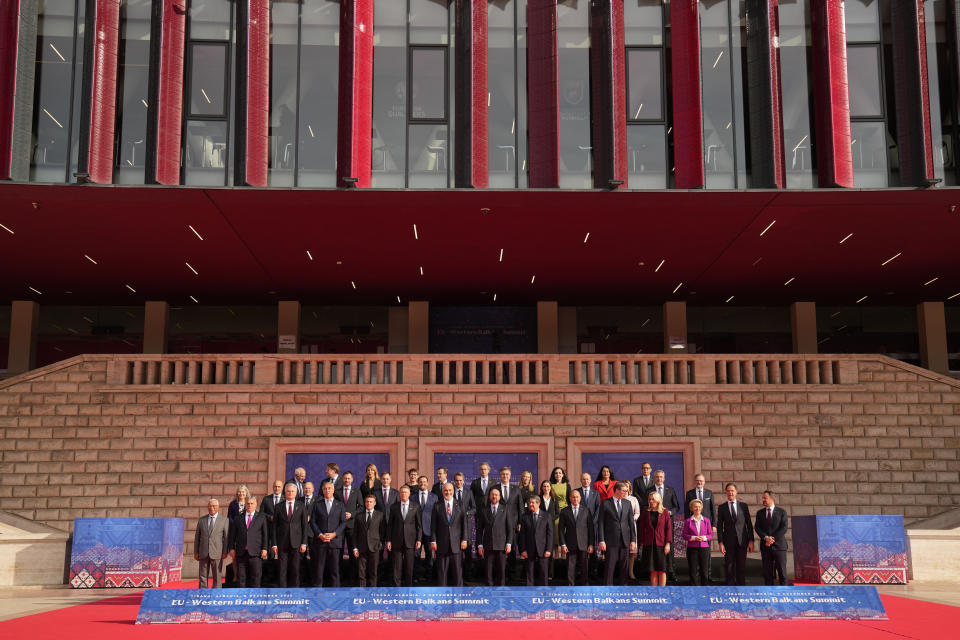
column 608, row 94
column 253, row 93
column 830, row 94
column 687, row 102
column 764, row 96
column 912, row 95
column 543, row 100
column 470, row 95
column 355, row 97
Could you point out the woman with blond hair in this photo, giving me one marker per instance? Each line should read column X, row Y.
column 371, row 481
column 636, row 516
column 697, row 531
column 654, row 533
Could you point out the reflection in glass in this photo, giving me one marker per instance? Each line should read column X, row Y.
column 646, row 157
column 869, row 146
column 283, row 91
column 134, row 77
column 428, row 21
column 205, row 153
column 643, row 22
column 428, row 155
column 319, row 62
column 208, row 69
column 501, row 84
column 795, row 52
column 576, row 162
column 862, row 20
column 389, row 94
column 718, row 125
column 863, row 71
column 428, row 83
column 644, row 94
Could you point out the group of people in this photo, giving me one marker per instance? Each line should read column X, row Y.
column 596, row 531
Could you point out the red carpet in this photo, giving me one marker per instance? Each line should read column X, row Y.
column 112, row 619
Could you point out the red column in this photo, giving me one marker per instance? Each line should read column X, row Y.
column 687, row 105
column 608, row 96
column 253, row 93
column 764, row 95
column 543, row 95
column 831, row 100
column 470, row 95
column 103, row 93
column 165, row 123
column 355, row 99
column 9, row 32
column 914, row 137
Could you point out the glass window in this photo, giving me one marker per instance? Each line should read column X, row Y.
column 389, row 94
column 222, row 329
column 132, row 91
column 739, row 330
column 573, row 40
column 795, row 79
column 284, row 16
column 205, row 152
column 619, row 330
column 862, row 20
column 644, row 85
column 67, row 331
column 872, row 139
column 428, row 155
column 319, row 77
column 863, row 70
column 344, row 330
column 210, row 19
column 891, row 331
column 504, row 62
column 428, row 87
column 208, row 72
column 868, row 142
column 935, row 24
column 643, row 22
column 647, row 157
column 428, row 21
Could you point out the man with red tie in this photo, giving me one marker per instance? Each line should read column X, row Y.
column 250, row 539
column 352, row 499
column 290, row 535
column 771, row 528
column 448, row 537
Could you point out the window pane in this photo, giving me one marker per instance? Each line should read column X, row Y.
column 869, row 146
column 863, row 73
column 210, row 20
column 647, row 156
column 428, row 89
column 643, row 22
column 644, row 85
column 576, row 166
column 208, row 69
column 283, row 91
column 795, row 76
column 205, row 156
column 501, row 83
column 428, row 21
column 718, row 139
column 934, row 16
column 428, row 155
column 389, row 94
column 319, row 62
column 862, row 20
column 134, row 78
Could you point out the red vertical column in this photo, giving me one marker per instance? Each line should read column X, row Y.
column 165, row 119
column 470, row 95
column 543, row 99
column 608, row 94
column 764, row 95
column 687, row 103
column 103, row 93
column 9, row 30
column 831, row 100
column 253, row 93
column 912, row 91
column 355, row 98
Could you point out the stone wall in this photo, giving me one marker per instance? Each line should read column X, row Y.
column 75, row 446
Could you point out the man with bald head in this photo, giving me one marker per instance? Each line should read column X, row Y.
column 211, row 543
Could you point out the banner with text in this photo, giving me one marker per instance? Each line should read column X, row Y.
column 510, row 603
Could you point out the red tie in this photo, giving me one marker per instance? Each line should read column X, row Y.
column 289, row 511
column 248, row 520
column 346, row 494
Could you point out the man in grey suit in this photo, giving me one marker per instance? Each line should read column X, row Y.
column 591, row 500
column 211, row 544
column 617, row 534
column 495, row 531
column 577, row 535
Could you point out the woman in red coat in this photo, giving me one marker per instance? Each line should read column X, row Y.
column 654, row 532
column 605, row 483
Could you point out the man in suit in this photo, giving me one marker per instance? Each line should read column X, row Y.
column 704, row 495
column 535, row 541
column 250, row 539
column 328, row 522
column 591, row 500
column 464, row 497
column 298, row 480
column 495, row 532
column 668, row 498
column 211, row 543
column 441, row 480
column 577, row 534
column 333, row 475
column 510, row 498
column 307, row 560
column 481, row 485
column 771, row 528
column 352, row 500
column 643, row 482
column 404, row 541
column 617, row 534
column 448, row 537
column 369, row 532
column 268, row 506
column 308, row 498
column 290, row 535
column 426, row 500
column 386, row 495
column 735, row 535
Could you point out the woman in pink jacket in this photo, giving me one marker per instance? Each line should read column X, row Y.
column 698, row 531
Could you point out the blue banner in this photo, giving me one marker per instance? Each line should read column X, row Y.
column 179, row 606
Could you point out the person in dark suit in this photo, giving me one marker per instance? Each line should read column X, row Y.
column 617, row 534
column 441, row 480
column 464, row 497
column 298, row 479
column 290, row 535
column 535, row 541
column 735, row 535
column 333, row 475
column 369, row 532
column 352, row 499
column 308, row 559
column 705, row 496
column 509, row 493
column 495, row 532
column 234, row 509
column 386, row 496
column 426, row 500
column 211, row 544
column 268, row 507
column 481, row 485
column 577, row 534
column 592, row 501
column 771, row 528
column 448, row 537
column 250, row 539
column 404, row 541
column 328, row 522
column 643, row 482
column 371, row 481
column 668, row 498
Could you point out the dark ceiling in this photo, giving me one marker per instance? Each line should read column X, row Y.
column 255, row 242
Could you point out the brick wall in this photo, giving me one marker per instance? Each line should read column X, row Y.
column 74, row 446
